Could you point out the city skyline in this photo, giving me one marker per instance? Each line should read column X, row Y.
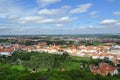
column 26, row 17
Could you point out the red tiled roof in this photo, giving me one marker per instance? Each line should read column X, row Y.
column 102, row 69
column 6, row 50
column 73, row 47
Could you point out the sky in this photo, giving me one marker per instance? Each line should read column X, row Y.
column 36, row 17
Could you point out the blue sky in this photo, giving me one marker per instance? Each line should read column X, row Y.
column 26, row 17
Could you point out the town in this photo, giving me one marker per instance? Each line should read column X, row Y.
column 94, row 48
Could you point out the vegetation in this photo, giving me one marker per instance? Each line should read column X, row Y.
column 46, row 66
column 4, row 41
column 88, row 43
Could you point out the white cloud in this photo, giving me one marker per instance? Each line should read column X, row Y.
column 46, row 20
column 65, row 19
column 47, row 2
column 10, row 10
column 93, row 13
column 54, row 12
column 6, row 28
column 81, row 8
column 59, row 25
column 3, row 28
column 116, row 13
column 109, row 22
column 30, row 19
column 49, row 16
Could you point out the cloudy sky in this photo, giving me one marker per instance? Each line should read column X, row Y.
column 26, row 17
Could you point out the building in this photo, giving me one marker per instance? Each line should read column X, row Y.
column 6, row 51
column 103, row 69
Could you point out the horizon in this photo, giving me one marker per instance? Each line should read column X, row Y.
column 62, row 34
column 59, row 17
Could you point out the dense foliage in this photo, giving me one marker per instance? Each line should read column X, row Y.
column 47, row 67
